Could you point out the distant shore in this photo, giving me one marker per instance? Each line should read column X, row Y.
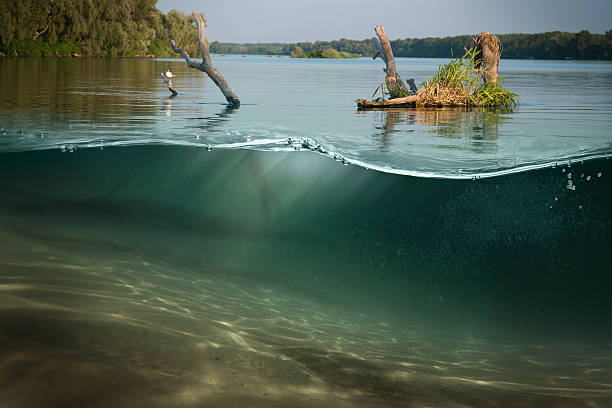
column 141, row 30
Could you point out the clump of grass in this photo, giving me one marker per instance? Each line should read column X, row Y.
column 453, row 84
column 492, row 94
column 458, row 84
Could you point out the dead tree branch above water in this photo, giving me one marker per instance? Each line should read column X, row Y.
column 206, row 64
column 393, row 79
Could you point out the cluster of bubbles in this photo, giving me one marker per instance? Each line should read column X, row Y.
column 570, row 184
column 68, row 148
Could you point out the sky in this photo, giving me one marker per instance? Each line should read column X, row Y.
column 292, row 21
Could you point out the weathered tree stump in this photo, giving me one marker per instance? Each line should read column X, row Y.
column 206, row 65
column 393, row 79
column 488, row 51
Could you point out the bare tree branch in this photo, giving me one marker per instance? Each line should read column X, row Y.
column 206, row 64
column 393, row 79
column 42, row 32
column 190, row 63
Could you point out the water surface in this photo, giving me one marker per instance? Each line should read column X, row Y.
column 563, row 114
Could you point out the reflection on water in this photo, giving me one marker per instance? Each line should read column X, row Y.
column 475, row 126
column 167, row 108
column 55, row 102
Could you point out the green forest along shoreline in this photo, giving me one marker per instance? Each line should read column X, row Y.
column 131, row 28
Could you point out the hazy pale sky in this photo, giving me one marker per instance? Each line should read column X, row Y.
column 292, row 21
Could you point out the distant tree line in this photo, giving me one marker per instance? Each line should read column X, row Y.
column 552, row 45
column 92, row 27
column 136, row 27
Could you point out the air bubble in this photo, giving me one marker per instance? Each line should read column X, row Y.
column 588, row 178
column 580, row 207
column 556, row 198
column 598, row 174
column 562, row 170
column 569, row 175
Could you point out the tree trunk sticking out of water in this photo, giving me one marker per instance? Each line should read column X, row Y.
column 393, row 80
column 206, row 64
column 168, row 82
column 488, row 50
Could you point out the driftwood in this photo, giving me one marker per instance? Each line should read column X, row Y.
column 486, row 51
column 206, row 65
column 405, row 102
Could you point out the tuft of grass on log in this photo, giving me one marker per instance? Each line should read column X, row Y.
column 458, row 84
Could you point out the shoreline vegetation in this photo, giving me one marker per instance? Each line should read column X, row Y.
column 298, row 52
column 136, row 28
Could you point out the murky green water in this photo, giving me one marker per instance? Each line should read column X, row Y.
column 256, row 274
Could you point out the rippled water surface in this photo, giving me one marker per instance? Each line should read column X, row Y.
column 565, row 110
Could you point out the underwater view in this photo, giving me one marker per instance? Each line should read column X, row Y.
column 171, row 251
